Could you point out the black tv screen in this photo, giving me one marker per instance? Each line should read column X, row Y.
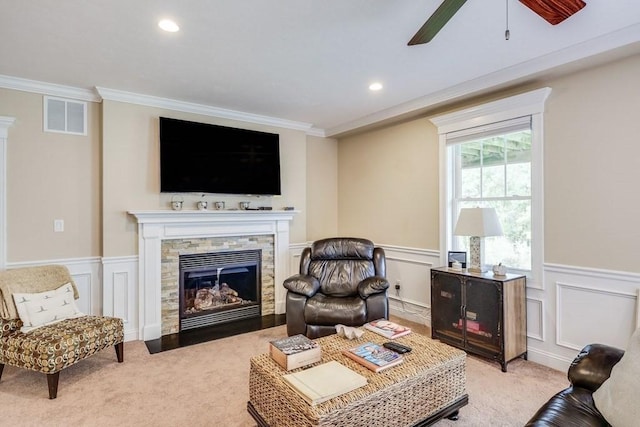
column 205, row 158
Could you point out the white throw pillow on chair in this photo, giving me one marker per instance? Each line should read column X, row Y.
column 45, row 308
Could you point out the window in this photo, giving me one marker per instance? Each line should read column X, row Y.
column 495, row 172
column 491, row 156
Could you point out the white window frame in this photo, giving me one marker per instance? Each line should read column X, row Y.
column 472, row 120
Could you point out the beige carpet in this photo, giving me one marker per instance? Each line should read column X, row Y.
column 207, row 385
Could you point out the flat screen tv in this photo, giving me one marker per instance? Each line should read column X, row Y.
column 205, row 158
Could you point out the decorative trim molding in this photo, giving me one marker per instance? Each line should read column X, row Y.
column 120, row 292
column 547, row 358
column 155, row 226
column 596, row 273
column 502, row 78
column 68, row 262
column 531, row 104
column 86, row 274
column 5, row 124
column 525, row 104
column 602, row 293
column 33, row 86
column 206, row 110
column 540, row 313
column 411, row 251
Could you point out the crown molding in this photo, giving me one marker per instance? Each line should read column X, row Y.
column 206, row 110
column 598, row 45
column 491, row 112
column 317, row 132
column 99, row 94
column 34, row 86
column 5, row 124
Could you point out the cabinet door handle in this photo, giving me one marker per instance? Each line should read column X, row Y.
column 463, row 309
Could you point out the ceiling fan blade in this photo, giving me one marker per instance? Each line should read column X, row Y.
column 554, row 11
column 440, row 17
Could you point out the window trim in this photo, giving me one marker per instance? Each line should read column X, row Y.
column 464, row 121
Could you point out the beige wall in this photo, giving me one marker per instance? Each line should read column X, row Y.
column 50, row 176
column 388, row 185
column 592, row 168
column 322, row 188
column 131, row 172
column 388, row 178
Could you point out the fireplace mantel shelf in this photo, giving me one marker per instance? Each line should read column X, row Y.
column 171, row 216
column 154, row 226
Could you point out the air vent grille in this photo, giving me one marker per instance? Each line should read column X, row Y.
column 65, row 116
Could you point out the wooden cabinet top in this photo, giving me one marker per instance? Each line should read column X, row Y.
column 487, row 275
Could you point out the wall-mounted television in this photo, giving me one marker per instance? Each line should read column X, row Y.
column 206, row 158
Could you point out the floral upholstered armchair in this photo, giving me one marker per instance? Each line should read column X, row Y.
column 42, row 329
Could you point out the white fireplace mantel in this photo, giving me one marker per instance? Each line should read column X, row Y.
column 157, row 225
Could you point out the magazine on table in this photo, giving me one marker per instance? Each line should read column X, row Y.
column 387, row 328
column 374, row 356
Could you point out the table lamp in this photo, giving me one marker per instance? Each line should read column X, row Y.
column 477, row 223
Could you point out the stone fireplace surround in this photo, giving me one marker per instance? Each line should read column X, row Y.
column 171, row 251
column 155, row 227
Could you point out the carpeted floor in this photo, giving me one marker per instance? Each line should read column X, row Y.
column 207, row 385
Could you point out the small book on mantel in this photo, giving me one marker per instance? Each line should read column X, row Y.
column 295, row 351
column 387, row 328
column 323, row 382
column 374, row 356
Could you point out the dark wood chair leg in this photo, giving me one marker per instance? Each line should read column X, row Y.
column 1, row 369
column 120, row 352
column 52, row 380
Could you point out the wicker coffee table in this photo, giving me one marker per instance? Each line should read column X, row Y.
column 428, row 386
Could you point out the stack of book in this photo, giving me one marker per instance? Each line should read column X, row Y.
column 295, row 351
column 324, row 382
column 387, row 328
column 374, row 356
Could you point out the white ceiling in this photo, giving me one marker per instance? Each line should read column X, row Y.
column 308, row 61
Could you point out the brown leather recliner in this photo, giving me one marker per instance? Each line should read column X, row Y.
column 341, row 281
column 574, row 405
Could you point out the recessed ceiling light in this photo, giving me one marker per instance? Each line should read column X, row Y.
column 375, row 86
column 168, row 25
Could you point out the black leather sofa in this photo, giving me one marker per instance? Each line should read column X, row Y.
column 574, row 405
column 341, row 281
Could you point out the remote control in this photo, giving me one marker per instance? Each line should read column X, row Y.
column 398, row 348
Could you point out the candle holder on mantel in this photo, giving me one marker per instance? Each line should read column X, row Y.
column 176, row 203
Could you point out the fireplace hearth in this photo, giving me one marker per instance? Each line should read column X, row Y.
column 219, row 287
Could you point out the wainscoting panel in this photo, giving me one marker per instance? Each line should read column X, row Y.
column 580, row 306
column 581, row 319
column 535, row 319
column 120, row 283
column 410, row 267
column 295, row 251
column 86, row 276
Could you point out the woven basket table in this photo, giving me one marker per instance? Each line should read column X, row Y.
column 429, row 385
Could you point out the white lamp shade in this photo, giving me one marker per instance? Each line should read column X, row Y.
column 479, row 222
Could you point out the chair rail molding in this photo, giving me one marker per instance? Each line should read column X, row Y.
column 5, row 124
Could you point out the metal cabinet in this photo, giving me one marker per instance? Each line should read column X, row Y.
column 480, row 313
